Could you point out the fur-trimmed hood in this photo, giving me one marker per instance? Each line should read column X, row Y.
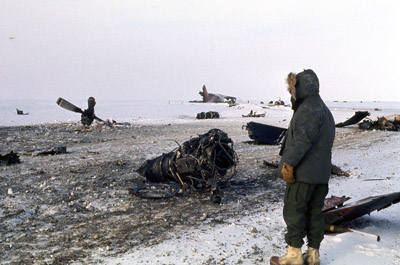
column 303, row 85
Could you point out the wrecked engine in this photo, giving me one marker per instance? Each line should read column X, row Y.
column 200, row 162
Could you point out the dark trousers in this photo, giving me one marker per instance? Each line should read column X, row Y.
column 302, row 212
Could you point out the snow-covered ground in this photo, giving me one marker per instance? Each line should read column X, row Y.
column 375, row 171
column 372, row 158
column 165, row 111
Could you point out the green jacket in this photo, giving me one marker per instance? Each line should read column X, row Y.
column 308, row 142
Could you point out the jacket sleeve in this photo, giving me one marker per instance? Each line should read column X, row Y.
column 305, row 131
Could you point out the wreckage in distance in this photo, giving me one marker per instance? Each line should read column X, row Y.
column 213, row 98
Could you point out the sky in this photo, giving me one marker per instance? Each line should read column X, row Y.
column 147, row 49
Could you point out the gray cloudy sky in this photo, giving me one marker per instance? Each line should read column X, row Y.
column 143, row 49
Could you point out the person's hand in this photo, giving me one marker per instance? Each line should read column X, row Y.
column 287, row 173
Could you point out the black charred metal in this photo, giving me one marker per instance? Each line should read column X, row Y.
column 9, row 159
column 381, row 123
column 201, row 162
column 21, row 112
column 56, row 150
column 344, row 213
column 358, row 116
column 208, row 115
column 264, row 133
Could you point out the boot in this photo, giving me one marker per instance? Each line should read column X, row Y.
column 311, row 257
column 292, row 257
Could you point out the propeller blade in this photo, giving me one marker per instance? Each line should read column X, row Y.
column 69, row 106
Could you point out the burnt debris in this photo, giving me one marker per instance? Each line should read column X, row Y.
column 202, row 162
column 358, row 116
column 56, row 150
column 382, row 123
column 208, row 115
column 389, row 123
column 21, row 112
column 254, row 115
column 9, row 159
column 264, row 133
column 336, row 213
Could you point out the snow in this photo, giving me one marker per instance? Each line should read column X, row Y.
column 254, row 238
column 231, row 243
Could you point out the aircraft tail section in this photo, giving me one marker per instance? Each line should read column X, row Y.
column 206, row 98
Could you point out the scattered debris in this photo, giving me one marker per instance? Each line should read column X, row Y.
column 279, row 102
column 51, row 151
column 265, row 134
column 358, row 116
column 274, row 164
column 21, row 112
column 388, row 123
column 114, row 122
column 254, row 114
column 9, row 159
column 208, row 115
column 200, row 162
column 382, row 123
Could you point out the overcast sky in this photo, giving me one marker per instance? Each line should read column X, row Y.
column 143, row 49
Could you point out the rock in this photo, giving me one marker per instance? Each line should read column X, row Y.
column 253, row 229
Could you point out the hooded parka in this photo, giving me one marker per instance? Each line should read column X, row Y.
column 307, row 146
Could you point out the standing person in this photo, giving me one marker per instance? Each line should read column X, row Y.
column 88, row 116
column 306, row 167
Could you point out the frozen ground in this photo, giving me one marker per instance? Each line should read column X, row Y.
column 75, row 207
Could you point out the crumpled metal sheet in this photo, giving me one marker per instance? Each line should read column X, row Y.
column 347, row 212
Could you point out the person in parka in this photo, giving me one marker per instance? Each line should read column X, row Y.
column 306, row 167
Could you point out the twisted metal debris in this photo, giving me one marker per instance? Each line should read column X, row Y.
column 381, row 124
column 201, row 162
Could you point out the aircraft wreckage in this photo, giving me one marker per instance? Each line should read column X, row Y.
column 357, row 117
column 388, row 123
column 264, row 133
column 336, row 213
column 382, row 123
column 9, row 159
column 208, row 115
column 71, row 107
column 253, row 114
column 272, row 135
column 21, row 112
column 209, row 159
column 214, row 98
column 201, row 162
